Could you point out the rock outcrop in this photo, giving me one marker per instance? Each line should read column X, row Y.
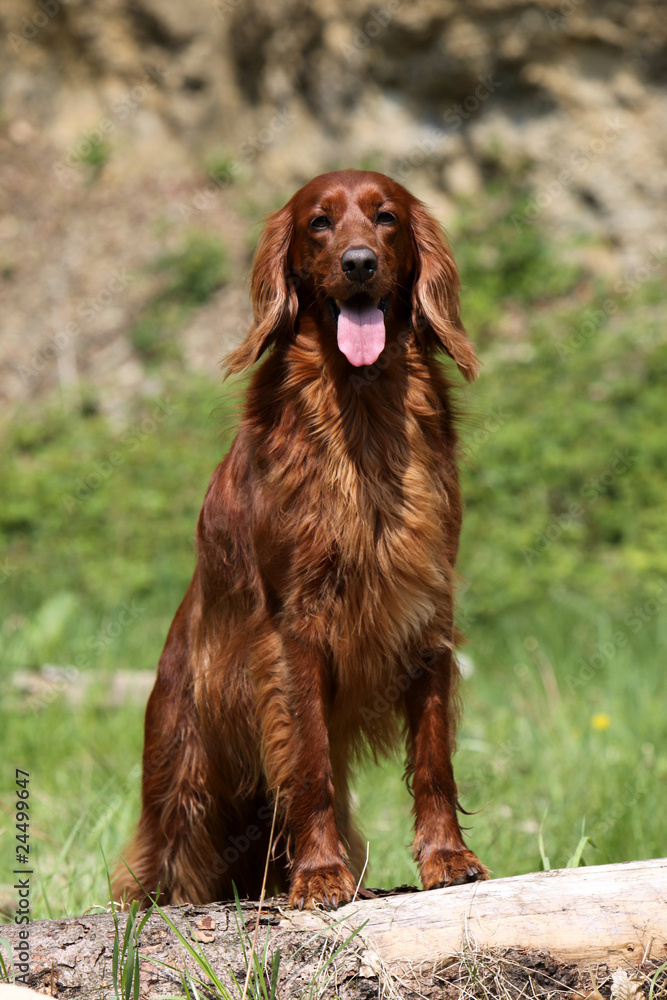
column 441, row 93
column 114, row 111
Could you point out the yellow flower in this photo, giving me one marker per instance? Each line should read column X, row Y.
column 600, row 721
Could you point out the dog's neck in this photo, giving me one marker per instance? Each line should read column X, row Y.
column 340, row 410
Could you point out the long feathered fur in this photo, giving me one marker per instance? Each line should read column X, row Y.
column 320, row 618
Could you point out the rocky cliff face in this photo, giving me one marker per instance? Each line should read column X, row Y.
column 441, row 93
column 445, row 95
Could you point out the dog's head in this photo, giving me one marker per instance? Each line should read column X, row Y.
column 360, row 253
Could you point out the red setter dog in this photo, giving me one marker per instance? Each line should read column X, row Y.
column 321, row 613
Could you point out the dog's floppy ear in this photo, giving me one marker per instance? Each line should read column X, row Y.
column 274, row 300
column 435, row 294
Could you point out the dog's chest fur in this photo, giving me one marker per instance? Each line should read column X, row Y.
column 368, row 520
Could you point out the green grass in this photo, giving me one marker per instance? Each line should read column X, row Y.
column 81, row 800
column 542, row 740
column 564, row 554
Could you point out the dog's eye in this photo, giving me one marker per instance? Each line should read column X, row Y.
column 321, row 222
column 385, row 218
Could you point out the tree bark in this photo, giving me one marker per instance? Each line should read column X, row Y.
column 613, row 914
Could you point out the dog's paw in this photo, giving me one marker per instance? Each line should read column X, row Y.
column 441, row 868
column 330, row 886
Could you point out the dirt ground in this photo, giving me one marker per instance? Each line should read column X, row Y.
column 75, row 269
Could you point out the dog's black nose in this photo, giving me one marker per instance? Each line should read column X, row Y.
column 359, row 263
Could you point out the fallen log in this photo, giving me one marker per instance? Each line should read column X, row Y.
column 612, row 914
column 607, row 913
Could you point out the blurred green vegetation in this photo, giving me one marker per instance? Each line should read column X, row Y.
column 222, row 168
column 95, row 152
column 189, row 278
column 572, row 737
column 564, row 558
column 567, row 466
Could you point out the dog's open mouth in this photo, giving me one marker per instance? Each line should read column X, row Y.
column 361, row 332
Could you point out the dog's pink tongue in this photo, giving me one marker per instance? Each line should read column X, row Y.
column 360, row 333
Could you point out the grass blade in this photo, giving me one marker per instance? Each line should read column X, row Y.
column 576, row 860
column 546, row 865
column 654, row 979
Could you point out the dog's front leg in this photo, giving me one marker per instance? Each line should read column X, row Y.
column 439, row 848
column 291, row 692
